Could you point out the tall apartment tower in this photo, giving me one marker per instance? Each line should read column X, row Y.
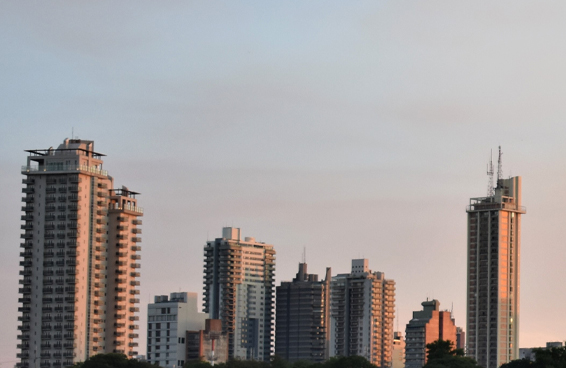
column 80, row 259
column 302, row 323
column 494, row 239
column 239, row 277
column 362, row 309
column 427, row 326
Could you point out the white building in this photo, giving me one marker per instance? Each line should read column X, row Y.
column 80, row 253
column 168, row 320
column 362, row 309
column 239, row 290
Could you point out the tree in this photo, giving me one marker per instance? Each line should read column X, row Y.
column 112, row 360
column 544, row 358
column 442, row 354
column 441, row 349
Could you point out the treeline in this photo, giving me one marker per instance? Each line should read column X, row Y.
column 121, row 361
column 276, row 362
column 544, row 358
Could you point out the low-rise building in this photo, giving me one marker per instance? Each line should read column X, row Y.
column 168, row 320
column 210, row 344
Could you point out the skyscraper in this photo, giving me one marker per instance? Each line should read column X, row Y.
column 80, row 259
column 239, row 277
column 362, row 309
column 302, row 324
column 494, row 239
column 427, row 326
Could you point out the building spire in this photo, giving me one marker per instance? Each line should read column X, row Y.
column 499, row 165
column 490, row 190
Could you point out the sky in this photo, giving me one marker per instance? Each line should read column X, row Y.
column 349, row 129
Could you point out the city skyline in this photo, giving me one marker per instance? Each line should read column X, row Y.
column 333, row 128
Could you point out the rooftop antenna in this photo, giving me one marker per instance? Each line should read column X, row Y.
column 499, row 166
column 490, row 190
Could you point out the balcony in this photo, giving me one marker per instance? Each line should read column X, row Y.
column 28, row 190
column 127, row 208
column 28, row 207
column 27, row 235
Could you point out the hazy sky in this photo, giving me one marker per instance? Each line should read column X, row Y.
column 354, row 129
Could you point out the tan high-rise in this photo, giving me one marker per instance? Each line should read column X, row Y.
column 494, row 239
column 239, row 277
column 362, row 310
column 80, row 259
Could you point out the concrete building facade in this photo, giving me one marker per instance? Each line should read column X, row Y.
column 209, row 345
column 168, row 320
column 80, row 254
column 303, row 317
column 362, row 309
column 239, row 277
column 494, row 239
column 426, row 326
column 398, row 350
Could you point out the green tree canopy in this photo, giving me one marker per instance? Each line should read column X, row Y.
column 544, row 358
column 112, row 361
column 442, row 354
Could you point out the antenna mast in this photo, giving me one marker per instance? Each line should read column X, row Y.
column 490, row 190
column 499, row 165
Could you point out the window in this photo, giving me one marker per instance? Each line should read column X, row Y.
column 149, row 326
column 158, row 326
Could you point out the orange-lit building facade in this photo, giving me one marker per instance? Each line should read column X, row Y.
column 494, row 239
column 427, row 326
column 80, row 252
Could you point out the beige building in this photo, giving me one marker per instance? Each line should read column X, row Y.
column 398, row 350
column 362, row 310
column 494, row 240
column 427, row 326
column 239, row 277
column 80, row 254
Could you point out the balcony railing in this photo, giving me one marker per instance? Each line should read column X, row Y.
column 116, row 206
column 92, row 170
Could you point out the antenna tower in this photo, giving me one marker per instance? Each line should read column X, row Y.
column 490, row 190
column 499, row 165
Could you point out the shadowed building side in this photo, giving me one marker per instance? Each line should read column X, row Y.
column 302, row 320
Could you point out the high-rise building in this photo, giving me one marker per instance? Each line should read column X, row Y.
column 168, row 320
column 303, row 317
column 239, row 277
column 362, row 309
column 427, row 326
column 494, row 239
column 80, row 259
